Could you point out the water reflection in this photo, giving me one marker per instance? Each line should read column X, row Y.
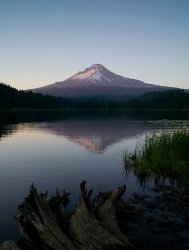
column 13, row 117
column 7, row 129
column 95, row 132
column 96, row 135
column 43, row 148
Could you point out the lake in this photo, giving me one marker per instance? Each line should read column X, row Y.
column 58, row 149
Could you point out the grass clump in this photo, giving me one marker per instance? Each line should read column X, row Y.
column 161, row 155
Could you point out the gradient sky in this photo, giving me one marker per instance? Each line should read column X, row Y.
column 43, row 41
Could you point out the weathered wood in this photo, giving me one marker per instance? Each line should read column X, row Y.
column 39, row 217
column 9, row 245
column 92, row 225
column 107, row 215
column 90, row 232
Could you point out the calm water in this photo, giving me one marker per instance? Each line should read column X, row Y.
column 59, row 149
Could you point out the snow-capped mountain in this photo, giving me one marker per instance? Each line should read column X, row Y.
column 95, row 81
column 98, row 75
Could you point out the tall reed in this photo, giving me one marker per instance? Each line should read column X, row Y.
column 163, row 155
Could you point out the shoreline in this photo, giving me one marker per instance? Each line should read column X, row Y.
column 152, row 221
column 158, row 222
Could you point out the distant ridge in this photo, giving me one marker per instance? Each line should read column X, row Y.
column 98, row 81
column 11, row 98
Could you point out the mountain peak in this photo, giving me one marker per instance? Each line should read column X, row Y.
column 93, row 73
column 97, row 66
column 97, row 80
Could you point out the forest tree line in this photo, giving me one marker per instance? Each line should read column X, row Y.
column 11, row 98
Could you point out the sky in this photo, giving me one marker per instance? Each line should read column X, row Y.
column 45, row 41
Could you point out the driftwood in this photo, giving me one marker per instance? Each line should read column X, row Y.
column 43, row 224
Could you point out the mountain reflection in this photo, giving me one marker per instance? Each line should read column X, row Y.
column 95, row 135
column 95, row 130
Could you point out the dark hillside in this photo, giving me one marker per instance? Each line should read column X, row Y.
column 171, row 99
column 11, row 98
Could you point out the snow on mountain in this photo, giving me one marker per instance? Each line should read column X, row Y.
column 98, row 75
column 97, row 80
column 86, row 75
column 93, row 73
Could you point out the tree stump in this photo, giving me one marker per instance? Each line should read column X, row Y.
column 43, row 224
